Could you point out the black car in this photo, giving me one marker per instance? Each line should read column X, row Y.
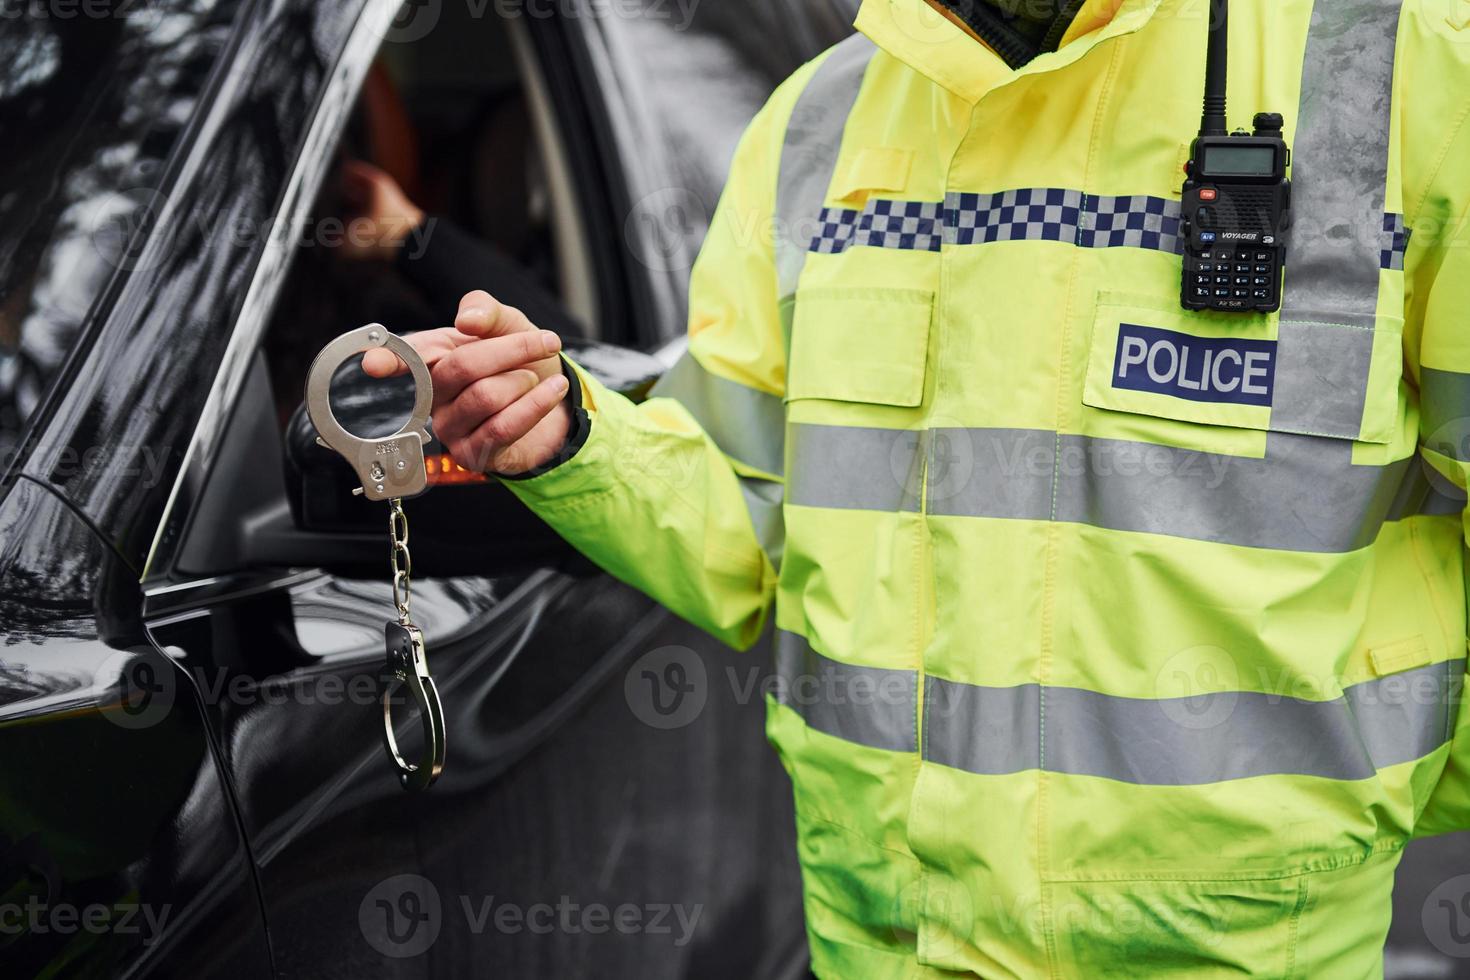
column 191, row 600
column 192, row 781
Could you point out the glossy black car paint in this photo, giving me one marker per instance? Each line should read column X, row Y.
column 109, row 804
column 124, row 816
column 184, row 759
column 194, row 747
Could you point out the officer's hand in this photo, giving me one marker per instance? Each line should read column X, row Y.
column 499, row 391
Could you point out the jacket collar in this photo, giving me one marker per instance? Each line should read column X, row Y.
column 918, row 34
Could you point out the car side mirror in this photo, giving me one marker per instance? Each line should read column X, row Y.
column 467, row 524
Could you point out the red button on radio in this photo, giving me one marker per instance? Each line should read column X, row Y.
column 1208, row 194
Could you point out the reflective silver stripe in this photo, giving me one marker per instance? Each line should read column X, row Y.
column 1305, row 496
column 1206, row 738
column 1340, row 157
column 1444, row 412
column 1322, row 375
column 747, row 424
column 1339, row 184
column 854, row 468
column 763, row 502
column 1437, row 504
column 1418, row 494
column 809, row 156
column 871, row 706
column 986, row 730
column 1003, row 473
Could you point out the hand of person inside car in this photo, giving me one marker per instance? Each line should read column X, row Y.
column 380, row 216
column 499, row 391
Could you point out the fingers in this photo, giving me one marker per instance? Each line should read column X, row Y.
column 357, row 185
column 364, row 179
column 488, row 339
column 360, row 170
column 509, row 425
column 475, row 359
column 480, row 401
column 432, row 345
column 482, row 315
column 495, row 378
column 382, row 363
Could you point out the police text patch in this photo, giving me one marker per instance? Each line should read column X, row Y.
column 1202, row 369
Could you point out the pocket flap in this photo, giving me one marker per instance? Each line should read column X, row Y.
column 873, row 168
column 860, row 345
column 1395, row 658
column 1310, row 376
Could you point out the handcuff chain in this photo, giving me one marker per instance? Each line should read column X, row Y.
column 400, row 559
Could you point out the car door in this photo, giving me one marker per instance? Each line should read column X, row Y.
column 121, row 850
column 609, row 804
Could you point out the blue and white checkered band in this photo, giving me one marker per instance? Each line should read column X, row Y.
column 900, row 224
column 1030, row 214
column 914, row 225
column 1059, row 215
column 1134, row 221
column 834, row 230
column 1048, row 214
column 1043, row 214
column 1395, row 241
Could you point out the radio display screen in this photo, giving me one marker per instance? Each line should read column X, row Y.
column 1240, row 161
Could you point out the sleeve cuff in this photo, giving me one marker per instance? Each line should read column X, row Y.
column 577, row 435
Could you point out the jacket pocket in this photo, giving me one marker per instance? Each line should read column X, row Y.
column 860, row 345
column 1178, row 928
column 1317, row 375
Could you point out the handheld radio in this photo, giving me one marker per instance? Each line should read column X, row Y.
column 1236, row 200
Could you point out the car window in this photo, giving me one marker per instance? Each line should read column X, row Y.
column 444, row 120
column 96, row 94
column 709, row 67
column 681, row 81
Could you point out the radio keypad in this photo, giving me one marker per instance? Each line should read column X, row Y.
column 1221, row 276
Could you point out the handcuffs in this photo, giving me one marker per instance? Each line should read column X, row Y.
column 390, row 468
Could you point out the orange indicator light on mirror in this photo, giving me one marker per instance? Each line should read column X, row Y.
column 443, row 471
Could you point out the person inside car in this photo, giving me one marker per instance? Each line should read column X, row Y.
column 442, row 259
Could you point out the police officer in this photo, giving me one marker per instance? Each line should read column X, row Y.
column 1121, row 673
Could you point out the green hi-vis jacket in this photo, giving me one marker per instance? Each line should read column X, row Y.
column 1115, row 639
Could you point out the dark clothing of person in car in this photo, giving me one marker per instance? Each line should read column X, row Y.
column 445, row 262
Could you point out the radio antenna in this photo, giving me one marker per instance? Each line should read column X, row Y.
column 1216, row 65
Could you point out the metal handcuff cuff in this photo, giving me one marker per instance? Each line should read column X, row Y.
column 390, row 468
